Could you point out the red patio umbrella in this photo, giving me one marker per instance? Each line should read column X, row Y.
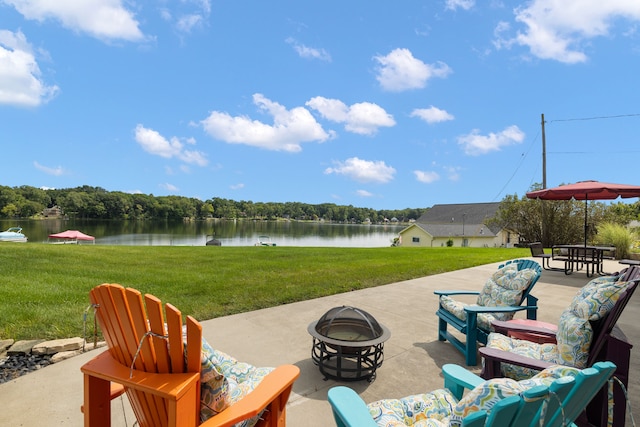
column 586, row 190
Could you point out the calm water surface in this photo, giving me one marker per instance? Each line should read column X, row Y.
column 196, row 233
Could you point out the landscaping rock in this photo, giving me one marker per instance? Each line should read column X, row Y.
column 57, row 346
column 5, row 344
column 22, row 347
column 23, row 357
column 64, row 355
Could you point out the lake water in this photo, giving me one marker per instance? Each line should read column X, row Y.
column 229, row 233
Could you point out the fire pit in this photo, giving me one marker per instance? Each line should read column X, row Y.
column 348, row 344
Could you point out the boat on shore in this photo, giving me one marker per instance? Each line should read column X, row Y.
column 264, row 241
column 13, row 234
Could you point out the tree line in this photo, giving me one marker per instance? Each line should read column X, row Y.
column 88, row 202
column 554, row 222
column 549, row 222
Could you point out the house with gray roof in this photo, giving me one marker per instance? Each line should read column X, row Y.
column 462, row 224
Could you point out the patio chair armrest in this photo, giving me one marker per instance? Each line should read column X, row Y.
column 504, row 327
column 274, row 388
column 498, row 309
column 170, row 386
column 493, row 355
column 348, row 408
column 441, row 292
column 457, row 379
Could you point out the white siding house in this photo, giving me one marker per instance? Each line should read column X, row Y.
column 462, row 224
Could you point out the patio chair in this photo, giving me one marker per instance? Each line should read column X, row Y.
column 585, row 334
column 537, row 251
column 172, row 377
column 555, row 397
column 502, row 296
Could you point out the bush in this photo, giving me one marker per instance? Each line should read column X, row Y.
column 610, row 234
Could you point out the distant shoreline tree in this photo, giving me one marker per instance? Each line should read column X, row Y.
column 88, row 202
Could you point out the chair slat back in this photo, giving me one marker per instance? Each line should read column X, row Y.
column 603, row 327
column 536, row 249
column 588, row 382
column 138, row 336
column 530, row 403
column 558, row 394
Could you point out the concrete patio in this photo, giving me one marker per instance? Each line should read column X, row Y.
column 412, row 356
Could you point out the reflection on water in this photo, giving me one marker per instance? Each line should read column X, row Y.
column 229, row 233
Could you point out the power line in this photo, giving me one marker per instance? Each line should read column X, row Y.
column 522, row 159
column 594, row 118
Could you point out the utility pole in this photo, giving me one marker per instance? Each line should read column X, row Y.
column 544, row 178
column 544, row 156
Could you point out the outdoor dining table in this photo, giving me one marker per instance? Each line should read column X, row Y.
column 577, row 257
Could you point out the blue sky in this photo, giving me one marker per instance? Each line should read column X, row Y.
column 369, row 103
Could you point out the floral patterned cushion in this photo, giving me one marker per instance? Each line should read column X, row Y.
column 420, row 410
column 574, row 334
column 503, row 288
column 440, row 408
column 547, row 352
column 224, row 381
column 591, row 303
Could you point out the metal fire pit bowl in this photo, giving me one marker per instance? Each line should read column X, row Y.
column 348, row 344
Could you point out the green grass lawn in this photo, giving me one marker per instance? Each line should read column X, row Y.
column 44, row 288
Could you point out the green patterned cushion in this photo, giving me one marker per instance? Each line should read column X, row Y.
column 457, row 309
column 547, row 352
column 440, row 408
column 597, row 298
column 574, row 334
column 487, row 394
column 420, row 410
column 215, row 394
column 591, row 303
column 484, row 397
column 454, row 307
column 224, row 381
column 503, row 288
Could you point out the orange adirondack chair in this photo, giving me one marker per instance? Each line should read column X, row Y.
column 148, row 359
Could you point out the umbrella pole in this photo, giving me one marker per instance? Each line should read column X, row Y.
column 586, row 206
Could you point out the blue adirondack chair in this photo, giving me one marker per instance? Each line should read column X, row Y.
column 502, row 296
column 556, row 402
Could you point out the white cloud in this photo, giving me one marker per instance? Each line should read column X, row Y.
column 453, row 172
column 187, row 22
column 21, row 82
column 57, row 171
column 169, row 187
column 559, row 29
column 363, row 170
column 399, row 71
column 462, row 4
column 364, row 193
column 475, row 144
column 189, row 14
column 362, row 118
column 238, row 186
column 426, row 177
column 152, row 142
column 432, row 115
column 290, row 128
column 102, row 19
column 309, row 52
